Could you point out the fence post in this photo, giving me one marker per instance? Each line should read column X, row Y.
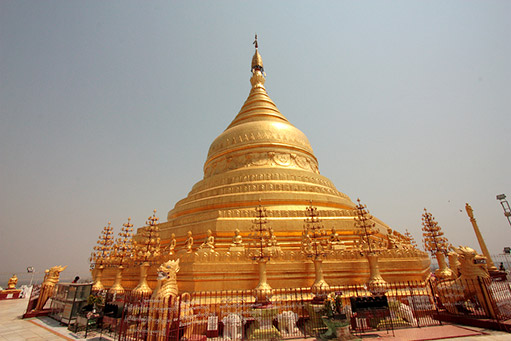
column 416, row 313
column 489, row 301
column 433, row 293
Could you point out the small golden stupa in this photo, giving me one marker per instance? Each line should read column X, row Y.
column 262, row 159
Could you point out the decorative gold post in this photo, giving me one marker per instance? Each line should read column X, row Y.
column 315, row 245
column 121, row 254
column 363, row 221
column 260, row 252
column 410, row 239
column 143, row 289
column 320, row 286
column 376, row 284
column 146, row 250
column 482, row 244
column 101, row 255
column 263, row 290
column 117, row 288
column 97, row 285
column 435, row 243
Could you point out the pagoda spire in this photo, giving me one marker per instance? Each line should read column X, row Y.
column 257, row 68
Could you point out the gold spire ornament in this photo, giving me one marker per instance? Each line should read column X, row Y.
column 315, row 245
column 100, row 257
column 435, row 243
column 366, row 228
column 410, row 239
column 480, row 239
column 146, row 250
column 259, row 251
column 120, row 256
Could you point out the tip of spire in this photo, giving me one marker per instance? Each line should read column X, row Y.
column 257, row 60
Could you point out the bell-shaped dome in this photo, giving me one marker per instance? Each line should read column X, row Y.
column 260, row 156
column 256, row 134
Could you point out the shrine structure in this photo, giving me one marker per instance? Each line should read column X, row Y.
column 262, row 160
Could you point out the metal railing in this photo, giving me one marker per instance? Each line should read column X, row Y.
column 291, row 314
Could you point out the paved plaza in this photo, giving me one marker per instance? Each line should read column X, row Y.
column 13, row 328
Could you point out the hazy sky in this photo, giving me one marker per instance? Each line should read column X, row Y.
column 108, row 108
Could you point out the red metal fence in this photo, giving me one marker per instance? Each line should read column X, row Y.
column 293, row 313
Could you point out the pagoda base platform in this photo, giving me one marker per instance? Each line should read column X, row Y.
column 226, row 271
column 10, row 294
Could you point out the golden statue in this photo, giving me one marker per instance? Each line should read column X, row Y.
column 209, row 242
column 189, row 242
column 12, row 282
column 172, row 244
column 51, row 278
column 454, row 293
column 162, row 301
column 237, row 242
column 454, row 263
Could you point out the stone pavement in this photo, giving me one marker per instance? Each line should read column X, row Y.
column 12, row 327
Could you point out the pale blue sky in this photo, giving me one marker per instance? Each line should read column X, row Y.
column 108, row 108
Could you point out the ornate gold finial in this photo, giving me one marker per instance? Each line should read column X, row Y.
column 435, row 243
column 101, row 255
column 121, row 255
column 315, row 244
column 261, row 249
column 146, row 250
column 480, row 238
column 257, row 67
column 147, row 247
column 469, row 210
column 365, row 228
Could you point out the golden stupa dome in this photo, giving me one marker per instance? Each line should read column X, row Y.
column 259, row 129
column 262, row 159
column 260, row 156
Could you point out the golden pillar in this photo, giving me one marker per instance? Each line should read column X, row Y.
column 143, row 288
column 261, row 248
column 117, row 286
column 482, row 244
column 443, row 271
column 320, row 286
column 146, row 250
column 98, row 286
column 263, row 290
column 315, row 244
column 376, row 284
column 364, row 222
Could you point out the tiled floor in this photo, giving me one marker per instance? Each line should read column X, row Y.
column 12, row 327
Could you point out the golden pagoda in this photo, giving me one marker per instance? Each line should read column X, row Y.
column 262, row 159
